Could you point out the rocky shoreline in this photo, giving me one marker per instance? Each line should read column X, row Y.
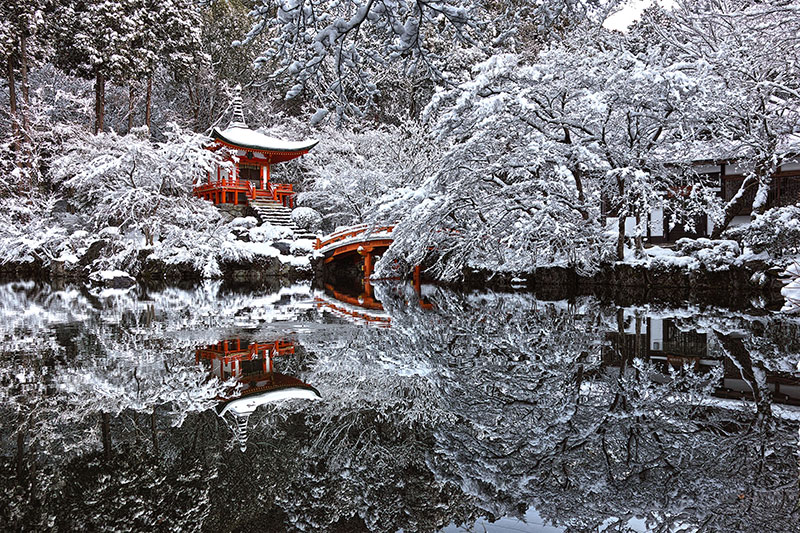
column 735, row 286
column 259, row 269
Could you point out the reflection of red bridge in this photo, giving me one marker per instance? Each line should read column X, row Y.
column 364, row 308
column 234, row 359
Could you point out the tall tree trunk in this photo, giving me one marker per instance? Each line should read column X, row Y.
column 25, row 112
column 21, row 426
column 621, row 237
column 735, row 205
column 106, row 430
column 130, row 108
column 99, row 102
column 12, row 104
column 154, row 432
column 149, row 103
column 23, row 50
column 620, row 221
column 639, row 239
column 735, row 349
column 622, row 352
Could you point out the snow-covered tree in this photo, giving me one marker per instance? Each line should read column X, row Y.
column 132, row 183
column 533, row 145
column 352, row 174
column 105, row 41
column 334, row 50
column 749, row 50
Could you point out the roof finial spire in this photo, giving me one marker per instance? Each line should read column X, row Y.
column 237, row 120
column 240, row 430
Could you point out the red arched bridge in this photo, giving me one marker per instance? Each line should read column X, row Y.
column 364, row 240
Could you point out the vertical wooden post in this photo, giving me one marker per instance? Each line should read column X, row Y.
column 367, row 264
column 367, row 288
column 417, row 282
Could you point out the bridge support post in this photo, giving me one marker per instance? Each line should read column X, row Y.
column 417, row 282
column 367, row 262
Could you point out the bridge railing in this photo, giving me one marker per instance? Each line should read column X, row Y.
column 352, row 231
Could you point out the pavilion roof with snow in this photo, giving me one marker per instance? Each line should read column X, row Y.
column 238, row 135
column 253, row 154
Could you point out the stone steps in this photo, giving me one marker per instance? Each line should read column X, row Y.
column 276, row 214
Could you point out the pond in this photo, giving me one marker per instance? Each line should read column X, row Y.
column 293, row 408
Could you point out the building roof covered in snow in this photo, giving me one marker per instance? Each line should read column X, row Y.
column 239, row 135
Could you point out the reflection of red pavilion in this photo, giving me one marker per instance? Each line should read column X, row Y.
column 252, row 365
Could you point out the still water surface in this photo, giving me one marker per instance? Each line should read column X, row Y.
column 297, row 409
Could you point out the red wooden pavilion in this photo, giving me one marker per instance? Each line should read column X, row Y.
column 252, row 154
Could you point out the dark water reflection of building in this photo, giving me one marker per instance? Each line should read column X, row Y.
column 664, row 344
column 252, row 366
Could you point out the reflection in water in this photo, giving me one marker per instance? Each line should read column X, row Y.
column 252, row 366
column 663, row 343
column 366, row 308
column 580, row 414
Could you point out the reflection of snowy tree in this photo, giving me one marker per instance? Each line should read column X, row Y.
column 483, row 405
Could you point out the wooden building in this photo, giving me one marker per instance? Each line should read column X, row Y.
column 726, row 178
column 248, row 174
column 252, row 366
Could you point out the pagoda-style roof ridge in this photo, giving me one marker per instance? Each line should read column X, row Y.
column 244, row 138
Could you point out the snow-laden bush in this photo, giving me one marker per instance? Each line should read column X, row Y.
column 267, row 232
column 307, row 219
column 776, row 232
column 712, row 254
column 29, row 233
column 791, row 292
column 143, row 191
column 244, row 222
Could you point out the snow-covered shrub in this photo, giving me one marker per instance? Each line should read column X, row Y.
column 267, row 232
column 712, row 254
column 791, row 292
column 244, row 222
column 143, row 191
column 29, row 232
column 307, row 219
column 776, row 232
column 302, row 247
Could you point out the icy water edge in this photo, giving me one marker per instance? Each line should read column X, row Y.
column 298, row 409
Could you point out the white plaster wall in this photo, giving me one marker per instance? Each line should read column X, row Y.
column 656, row 334
column 739, row 221
column 657, row 222
column 738, row 168
column 630, row 226
column 706, row 169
